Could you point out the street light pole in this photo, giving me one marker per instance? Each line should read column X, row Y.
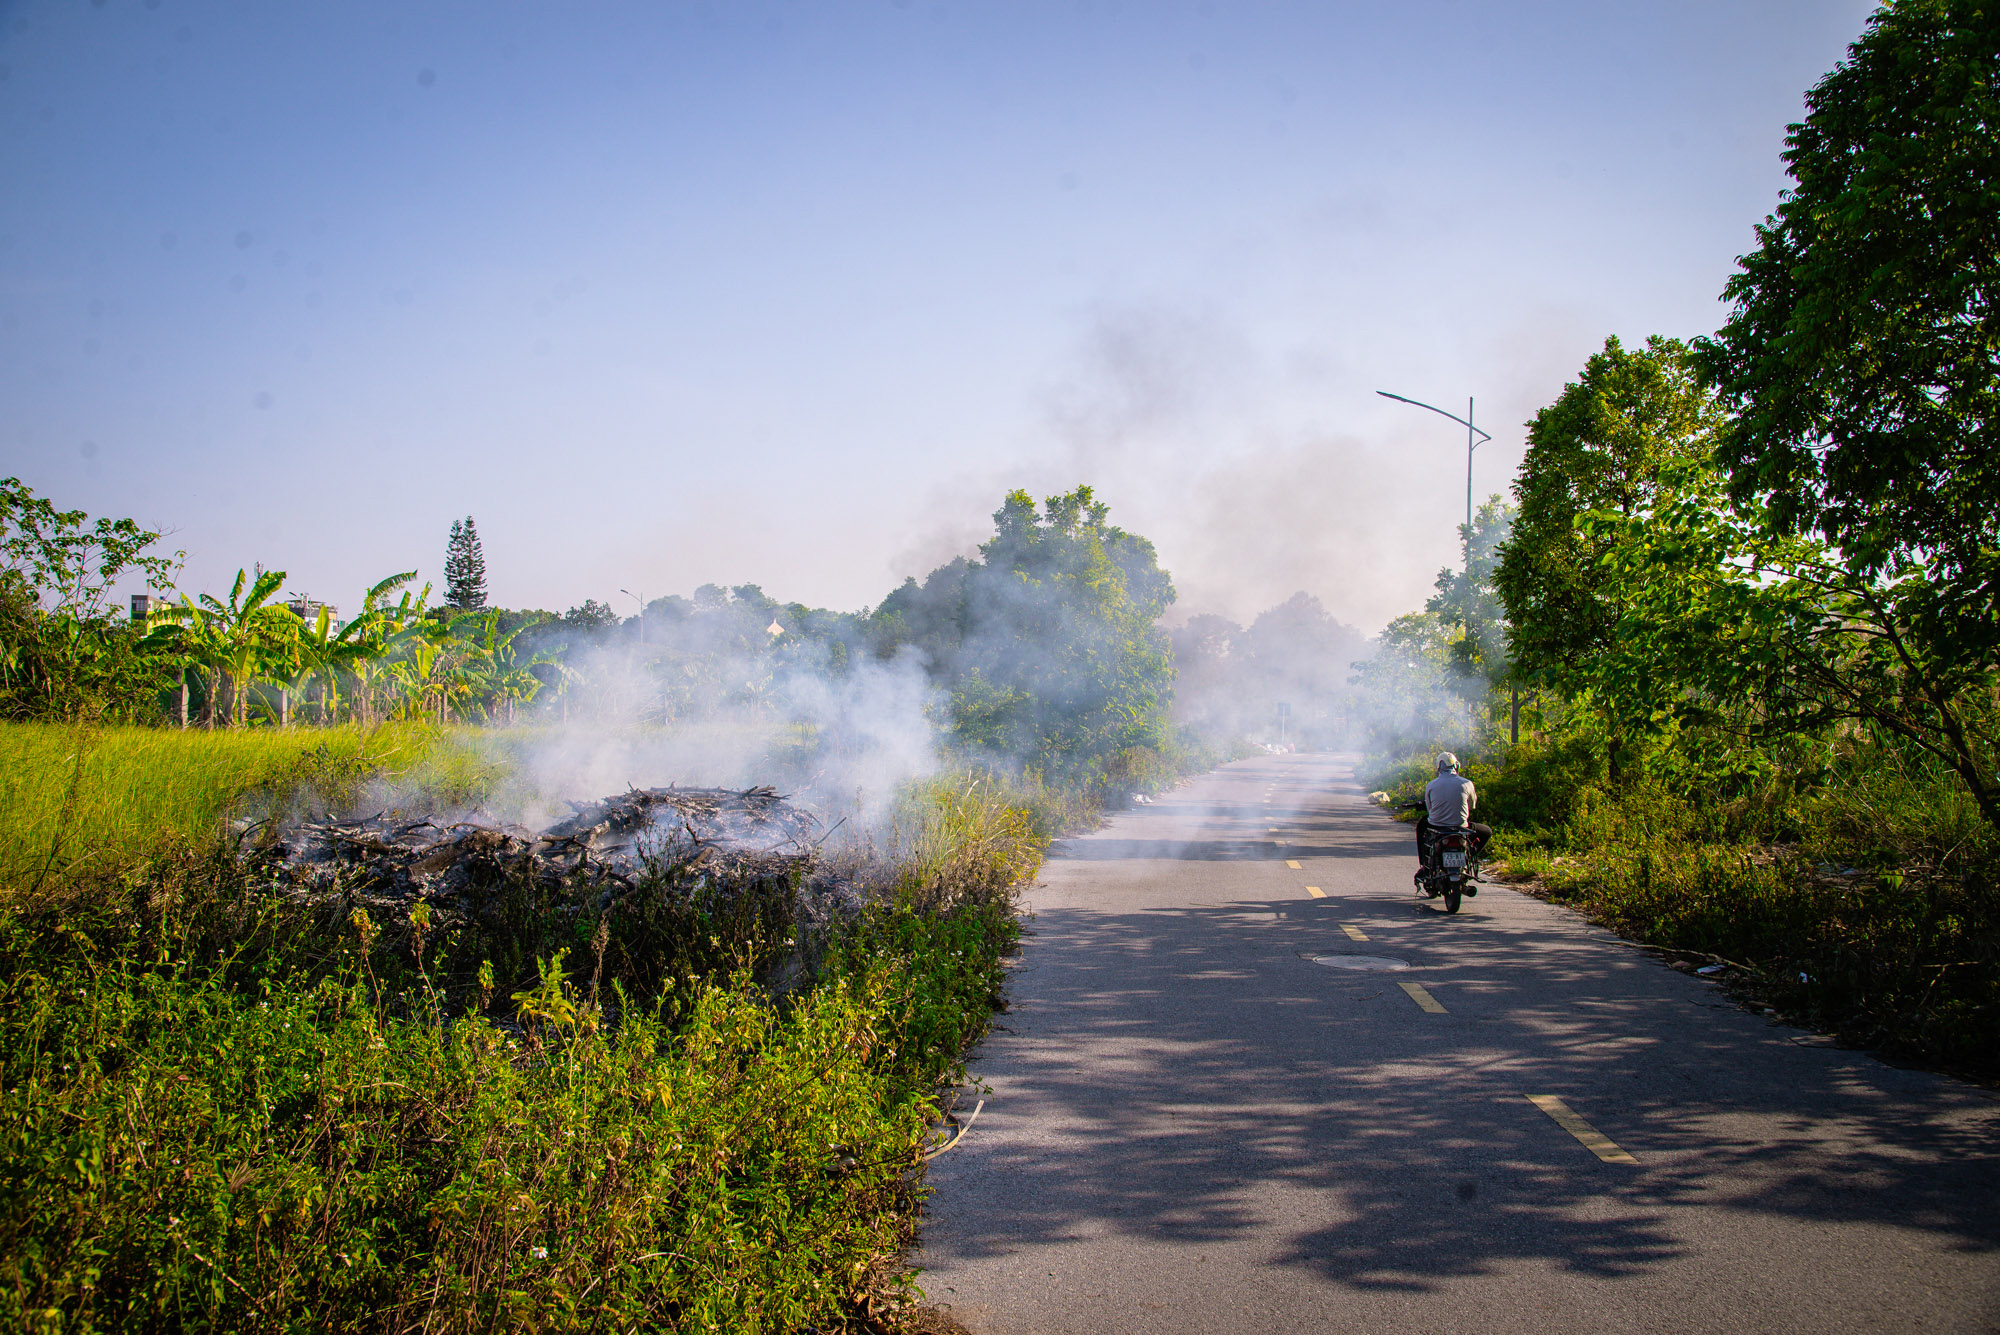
column 1471, row 444
column 642, row 608
column 1474, row 438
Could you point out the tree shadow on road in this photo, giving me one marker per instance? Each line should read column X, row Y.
column 1180, row 1065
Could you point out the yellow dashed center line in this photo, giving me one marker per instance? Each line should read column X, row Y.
column 1589, row 1136
column 1356, row 934
column 1315, row 892
column 1425, row 1001
column 1293, row 865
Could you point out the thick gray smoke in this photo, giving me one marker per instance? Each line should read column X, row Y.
column 841, row 734
column 1284, row 680
column 1174, row 414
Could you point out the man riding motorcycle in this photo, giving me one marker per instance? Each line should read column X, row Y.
column 1448, row 803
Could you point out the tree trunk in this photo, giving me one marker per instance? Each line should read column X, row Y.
column 181, row 698
column 284, row 706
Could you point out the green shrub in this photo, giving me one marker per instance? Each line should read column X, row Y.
column 184, row 1151
column 225, row 1110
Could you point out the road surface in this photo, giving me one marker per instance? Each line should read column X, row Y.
column 1196, row 1125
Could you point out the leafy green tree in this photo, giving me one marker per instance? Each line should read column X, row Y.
column 1860, row 357
column 64, row 651
column 1724, row 621
column 1210, row 667
column 1049, row 643
column 69, row 562
column 1599, row 446
column 1860, row 365
column 1468, row 601
column 464, row 568
column 589, row 617
column 929, row 618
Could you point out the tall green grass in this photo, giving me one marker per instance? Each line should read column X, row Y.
column 80, row 800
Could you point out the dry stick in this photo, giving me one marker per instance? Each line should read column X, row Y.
column 961, row 1132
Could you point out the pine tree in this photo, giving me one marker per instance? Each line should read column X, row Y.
column 464, row 568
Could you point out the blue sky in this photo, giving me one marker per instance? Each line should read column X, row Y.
column 791, row 293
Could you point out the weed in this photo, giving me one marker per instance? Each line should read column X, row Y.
column 221, row 1111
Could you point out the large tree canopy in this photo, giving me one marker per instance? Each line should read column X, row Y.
column 1861, row 355
column 1600, row 446
column 1049, row 642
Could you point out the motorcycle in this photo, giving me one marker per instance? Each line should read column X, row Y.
column 1452, row 868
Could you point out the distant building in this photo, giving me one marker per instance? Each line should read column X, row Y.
column 145, row 604
column 308, row 610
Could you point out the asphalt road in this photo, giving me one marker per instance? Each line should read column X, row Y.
column 1194, row 1126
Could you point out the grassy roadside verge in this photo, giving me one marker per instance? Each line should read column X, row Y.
column 89, row 802
column 217, row 1114
column 1863, row 904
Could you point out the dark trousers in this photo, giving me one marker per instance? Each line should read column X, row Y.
column 1425, row 831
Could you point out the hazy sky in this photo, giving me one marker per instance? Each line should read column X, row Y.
column 792, row 293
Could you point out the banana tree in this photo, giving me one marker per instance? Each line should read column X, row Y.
column 240, row 640
column 172, row 643
column 422, row 669
column 319, row 649
column 490, row 671
column 257, row 634
column 375, row 634
column 329, row 651
column 186, row 630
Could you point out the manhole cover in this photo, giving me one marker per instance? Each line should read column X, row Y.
column 1369, row 963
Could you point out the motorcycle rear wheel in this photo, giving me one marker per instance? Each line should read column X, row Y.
column 1452, row 897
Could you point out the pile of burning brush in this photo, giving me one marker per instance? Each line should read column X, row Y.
column 689, row 839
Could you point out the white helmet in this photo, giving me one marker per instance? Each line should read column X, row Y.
column 1447, row 763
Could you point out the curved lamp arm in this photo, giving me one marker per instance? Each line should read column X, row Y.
column 1483, row 437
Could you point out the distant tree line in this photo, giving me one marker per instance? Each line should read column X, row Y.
column 1046, row 646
